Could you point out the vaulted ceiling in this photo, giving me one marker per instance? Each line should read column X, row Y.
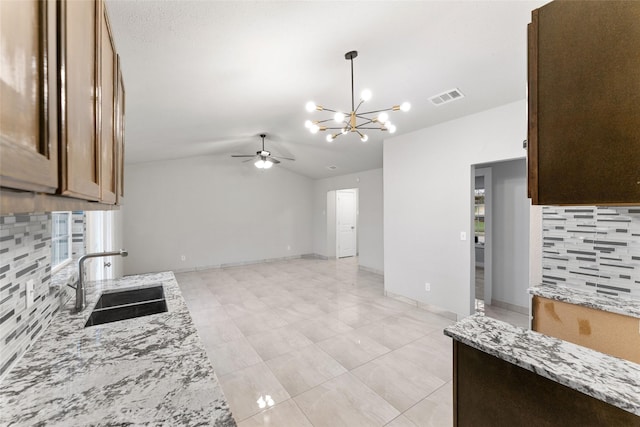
column 206, row 77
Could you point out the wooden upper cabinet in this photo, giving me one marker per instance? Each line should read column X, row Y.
column 584, row 103
column 28, row 98
column 119, row 129
column 79, row 46
column 108, row 90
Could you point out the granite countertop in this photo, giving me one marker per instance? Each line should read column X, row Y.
column 606, row 378
column 613, row 304
column 147, row 370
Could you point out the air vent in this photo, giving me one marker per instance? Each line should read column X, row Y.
column 332, row 167
column 446, row 96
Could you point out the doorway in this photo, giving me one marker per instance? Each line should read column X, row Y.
column 342, row 223
column 482, row 225
column 500, row 260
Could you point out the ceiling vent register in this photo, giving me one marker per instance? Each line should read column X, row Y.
column 446, row 97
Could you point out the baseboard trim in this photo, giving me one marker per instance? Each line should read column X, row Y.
column 371, row 270
column 234, row 264
column 314, row 256
column 510, row 307
column 428, row 307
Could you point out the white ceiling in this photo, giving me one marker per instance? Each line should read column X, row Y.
column 206, row 77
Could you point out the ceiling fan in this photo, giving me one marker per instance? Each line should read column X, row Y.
column 264, row 158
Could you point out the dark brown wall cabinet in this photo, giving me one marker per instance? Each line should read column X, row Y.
column 584, row 103
column 62, row 120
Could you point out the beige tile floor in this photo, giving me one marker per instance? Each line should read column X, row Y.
column 315, row 343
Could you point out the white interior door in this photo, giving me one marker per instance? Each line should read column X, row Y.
column 346, row 214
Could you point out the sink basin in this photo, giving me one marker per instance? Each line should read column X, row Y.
column 130, row 296
column 128, row 304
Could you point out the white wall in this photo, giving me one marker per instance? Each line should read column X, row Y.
column 510, row 273
column 370, row 218
column 428, row 199
column 214, row 210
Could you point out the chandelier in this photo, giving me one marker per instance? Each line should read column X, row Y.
column 355, row 120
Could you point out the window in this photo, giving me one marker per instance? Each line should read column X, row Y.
column 60, row 240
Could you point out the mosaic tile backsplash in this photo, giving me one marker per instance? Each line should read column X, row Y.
column 592, row 248
column 25, row 255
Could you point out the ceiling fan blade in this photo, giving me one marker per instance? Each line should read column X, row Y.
column 284, row 158
column 248, row 160
column 274, row 160
column 243, row 155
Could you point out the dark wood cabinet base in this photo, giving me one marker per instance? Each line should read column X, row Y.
column 491, row 392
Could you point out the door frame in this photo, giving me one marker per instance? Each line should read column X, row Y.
column 488, row 229
column 337, row 229
column 331, row 236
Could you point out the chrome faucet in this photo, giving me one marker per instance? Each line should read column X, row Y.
column 81, row 295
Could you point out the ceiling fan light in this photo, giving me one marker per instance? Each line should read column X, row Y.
column 314, row 128
column 267, row 164
column 339, row 117
column 364, row 138
column 260, row 164
column 405, row 106
column 366, row 95
column 310, row 106
column 383, row 118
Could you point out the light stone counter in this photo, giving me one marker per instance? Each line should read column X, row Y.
column 606, row 378
column 151, row 370
column 614, row 304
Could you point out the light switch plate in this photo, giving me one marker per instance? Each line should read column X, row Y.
column 463, row 235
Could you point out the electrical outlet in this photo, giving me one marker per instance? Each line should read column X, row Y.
column 427, row 287
column 30, row 296
column 183, row 257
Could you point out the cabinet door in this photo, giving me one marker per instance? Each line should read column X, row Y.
column 107, row 113
column 79, row 71
column 28, row 115
column 119, row 117
column 584, row 105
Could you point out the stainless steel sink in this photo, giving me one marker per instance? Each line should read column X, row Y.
column 128, row 304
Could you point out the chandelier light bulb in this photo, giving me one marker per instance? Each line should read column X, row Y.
column 267, row 164
column 314, row 128
column 405, row 106
column 383, row 118
column 330, row 138
column 310, row 106
column 308, row 124
column 344, row 131
column 339, row 117
column 259, row 164
column 391, row 128
column 366, row 95
column 364, row 138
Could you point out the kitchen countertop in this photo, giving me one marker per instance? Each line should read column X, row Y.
column 606, row 378
column 147, row 370
column 613, row 304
